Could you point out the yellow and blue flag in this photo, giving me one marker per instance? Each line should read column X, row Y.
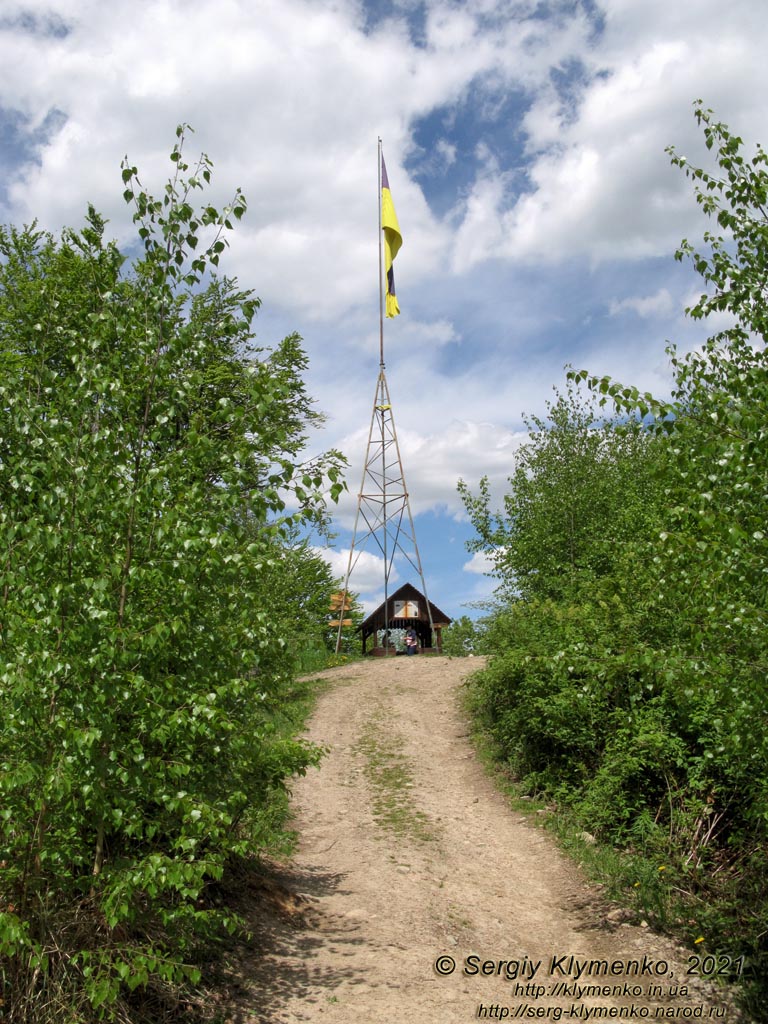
column 392, row 240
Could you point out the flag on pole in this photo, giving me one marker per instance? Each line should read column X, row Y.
column 392, row 239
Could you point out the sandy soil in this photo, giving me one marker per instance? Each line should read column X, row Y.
column 408, row 855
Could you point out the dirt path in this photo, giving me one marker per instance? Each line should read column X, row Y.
column 407, row 855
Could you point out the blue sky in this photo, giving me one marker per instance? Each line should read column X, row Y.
column 525, row 147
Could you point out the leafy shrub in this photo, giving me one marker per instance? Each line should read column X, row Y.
column 464, row 637
column 630, row 657
column 144, row 450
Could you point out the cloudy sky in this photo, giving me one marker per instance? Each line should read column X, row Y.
column 525, row 147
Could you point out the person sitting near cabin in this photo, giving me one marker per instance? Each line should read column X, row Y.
column 411, row 641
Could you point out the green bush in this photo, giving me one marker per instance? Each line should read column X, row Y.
column 464, row 637
column 144, row 450
column 629, row 667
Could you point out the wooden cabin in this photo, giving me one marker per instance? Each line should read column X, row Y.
column 405, row 608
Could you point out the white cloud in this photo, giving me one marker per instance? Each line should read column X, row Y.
column 447, row 152
column 306, row 89
column 649, row 306
column 368, row 569
column 479, row 564
column 433, row 464
column 561, row 212
column 600, row 183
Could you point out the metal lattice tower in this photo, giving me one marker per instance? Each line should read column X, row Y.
column 383, row 520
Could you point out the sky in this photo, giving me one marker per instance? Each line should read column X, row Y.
column 525, row 149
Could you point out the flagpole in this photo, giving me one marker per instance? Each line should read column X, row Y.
column 383, row 496
column 381, row 272
column 381, row 414
column 378, row 410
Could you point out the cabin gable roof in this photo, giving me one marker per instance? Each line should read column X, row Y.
column 407, row 592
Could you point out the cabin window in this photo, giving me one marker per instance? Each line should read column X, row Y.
column 407, row 610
